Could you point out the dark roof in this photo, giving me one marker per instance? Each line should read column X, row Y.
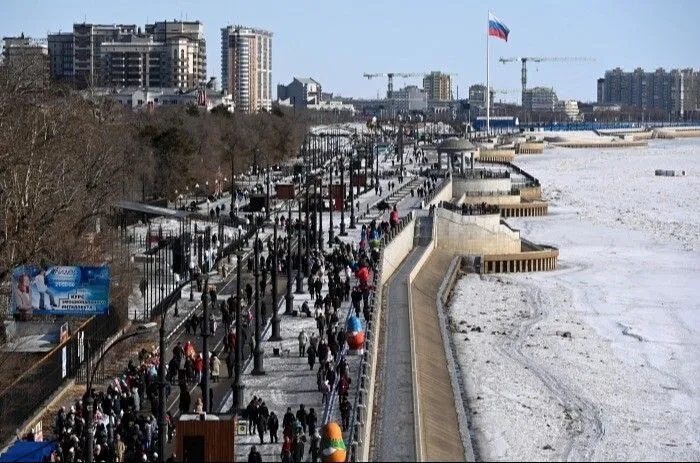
column 152, row 210
column 456, row 144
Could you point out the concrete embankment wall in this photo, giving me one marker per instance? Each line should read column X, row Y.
column 443, row 193
column 475, row 234
column 489, row 199
column 460, row 186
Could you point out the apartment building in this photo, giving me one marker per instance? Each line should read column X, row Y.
column 438, row 86
column 246, row 67
column 300, row 92
column 168, row 54
column 61, row 55
column 185, row 52
column 674, row 91
column 87, row 44
column 539, row 99
column 133, row 63
column 16, row 49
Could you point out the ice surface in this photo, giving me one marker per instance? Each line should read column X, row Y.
column 597, row 360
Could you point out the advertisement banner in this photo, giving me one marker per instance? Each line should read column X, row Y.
column 60, row 290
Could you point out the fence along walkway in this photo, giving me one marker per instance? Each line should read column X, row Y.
column 441, row 435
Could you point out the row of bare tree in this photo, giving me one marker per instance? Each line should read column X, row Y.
column 65, row 161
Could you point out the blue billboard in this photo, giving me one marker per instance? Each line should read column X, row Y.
column 59, row 290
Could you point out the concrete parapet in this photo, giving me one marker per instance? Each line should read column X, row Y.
column 528, row 261
column 529, row 148
column 531, row 193
column 474, row 234
column 600, row 143
column 486, row 155
column 525, row 209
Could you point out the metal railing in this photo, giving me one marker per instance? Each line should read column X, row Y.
column 358, row 416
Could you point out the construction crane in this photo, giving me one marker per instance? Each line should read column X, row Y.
column 540, row 59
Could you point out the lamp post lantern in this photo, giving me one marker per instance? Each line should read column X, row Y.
column 205, row 345
column 238, row 386
column 289, row 298
column 299, row 278
column 342, row 201
column 275, row 309
column 330, row 206
column 258, row 368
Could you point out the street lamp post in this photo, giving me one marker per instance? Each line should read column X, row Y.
column 238, row 386
column 258, row 368
column 352, row 193
column 289, row 298
column 300, row 279
column 319, row 202
column 205, row 345
column 330, row 206
column 267, row 193
column 275, row 309
column 307, row 230
column 342, row 202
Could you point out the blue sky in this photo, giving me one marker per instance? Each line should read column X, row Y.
column 335, row 42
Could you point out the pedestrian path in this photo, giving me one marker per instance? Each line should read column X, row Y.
column 395, row 379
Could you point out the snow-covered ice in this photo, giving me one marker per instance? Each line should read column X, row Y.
column 597, row 360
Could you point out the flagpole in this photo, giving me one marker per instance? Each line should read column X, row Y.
column 488, row 88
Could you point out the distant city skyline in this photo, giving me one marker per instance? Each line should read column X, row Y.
column 336, row 43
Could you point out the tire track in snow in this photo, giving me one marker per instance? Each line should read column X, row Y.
column 585, row 428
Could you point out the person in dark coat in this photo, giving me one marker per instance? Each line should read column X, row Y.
column 311, row 420
column 252, row 410
column 273, row 425
column 185, row 399
column 254, row 455
column 311, row 356
column 301, row 416
column 287, row 421
column 260, row 424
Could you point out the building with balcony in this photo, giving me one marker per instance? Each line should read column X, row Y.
column 438, row 86
column 61, row 55
column 184, row 56
column 540, row 99
column 675, row 91
column 409, row 99
column 17, row 49
column 246, row 67
column 172, row 54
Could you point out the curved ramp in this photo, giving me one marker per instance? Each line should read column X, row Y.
column 442, row 440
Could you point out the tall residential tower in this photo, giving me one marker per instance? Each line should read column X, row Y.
column 246, row 67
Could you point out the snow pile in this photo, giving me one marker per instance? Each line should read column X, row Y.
column 597, row 360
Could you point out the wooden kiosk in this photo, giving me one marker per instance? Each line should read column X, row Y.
column 205, row 438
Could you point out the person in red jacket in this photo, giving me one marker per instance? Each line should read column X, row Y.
column 199, row 367
column 394, row 217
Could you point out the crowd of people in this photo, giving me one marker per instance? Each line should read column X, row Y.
column 124, row 424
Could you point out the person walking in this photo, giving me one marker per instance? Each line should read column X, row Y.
column 311, row 356
column 303, row 340
column 215, row 368
column 260, row 425
column 301, row 417
column 311, row 420
column 273, row 425
column 185, row 399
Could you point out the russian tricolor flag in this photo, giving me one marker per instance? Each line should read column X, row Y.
column 497, row 28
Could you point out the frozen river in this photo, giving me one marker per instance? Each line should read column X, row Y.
column 598, row 360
